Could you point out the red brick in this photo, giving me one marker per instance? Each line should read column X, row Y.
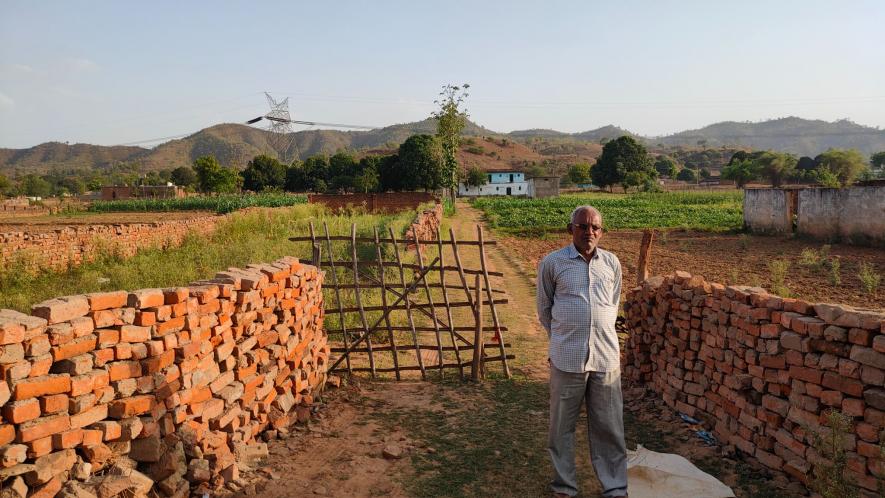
column 170, row 326
column 107, row 337
column 21, row 411
column 157, row 363
column 806, row 374
column 40, row 386
column 42, row 427
column 90, row 416
column 47, row 490
column 145, row 298
column 107, row 300
column 175, row 295
column 123, row 370
column 67, row 439
column 128, row 407
column 91, row 437
column 134, row 333
column 73, row 348
column 61, row 309
column 145, row 318
column 54, row 403
column 7, row 434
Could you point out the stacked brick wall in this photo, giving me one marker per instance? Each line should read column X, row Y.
column 386, row 202
column 762, row 370
column 163, row 389
column 74, row 245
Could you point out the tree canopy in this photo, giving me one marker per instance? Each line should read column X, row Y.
column 422, row 161
column 579, row 173
column 263, row 173
column 877, row 160
column 451, row 120
column 741, row 172
column 776, row 167
column 845, row 164
column 619, row 158
column 666, row 166
column 476, row 177
column 213, row 177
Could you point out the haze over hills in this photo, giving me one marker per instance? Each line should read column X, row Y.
column 235, row 144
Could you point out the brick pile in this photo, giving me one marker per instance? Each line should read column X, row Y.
column 764, row 370
column 120, row 393
column 426, row 224
column 74, row 245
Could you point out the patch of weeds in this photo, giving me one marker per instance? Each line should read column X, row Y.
column 778, row 269
column 829, row 476
column 809, row 258
column 733, row 276
column 869, row 277
column 744, row 241
column 835, row 276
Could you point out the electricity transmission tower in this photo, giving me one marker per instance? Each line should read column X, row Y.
column 282, row 137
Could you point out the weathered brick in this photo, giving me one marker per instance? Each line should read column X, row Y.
column 145, row 298
column 42, row 427
column 106, row 300
column 123, row 370
column 90, row 416
column 76, row 347
column 61, row 309
column 21, row 411
column 134, row 333
column 132, row 406
column 868, row 356
column 40, row 386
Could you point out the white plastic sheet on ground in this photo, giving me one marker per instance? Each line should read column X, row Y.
column 664, row 475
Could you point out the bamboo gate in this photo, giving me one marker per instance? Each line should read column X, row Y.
column 393, row 316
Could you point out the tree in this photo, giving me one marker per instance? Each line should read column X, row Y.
column 579, row 173
column 422, row 162
column 342, row 170
column 666, row 166
column 213, row 177
column 877, row 160
column 451, row 120
column 476, row 177
column 687, row 175
column 846, row 164
column 705, row 174
column 390, row 174
column 5, row 185
column 534, row 170
column 317, row 174
column 183, row 176
column 741, row 172
column 34, row 186
column 262, row 173
column 368, row 178
column 619, row 157
column 776, row 166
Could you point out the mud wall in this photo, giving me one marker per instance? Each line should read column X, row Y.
column 159, row 389
column 75, row 245
column 767, row 211
column 855, row 215
column 762, row 370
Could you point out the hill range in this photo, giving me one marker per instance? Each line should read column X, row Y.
column 235, row 144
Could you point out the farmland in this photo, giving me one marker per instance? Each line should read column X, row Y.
column 709, row 211
column 221, row 204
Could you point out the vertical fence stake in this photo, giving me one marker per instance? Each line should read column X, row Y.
column 477, row 335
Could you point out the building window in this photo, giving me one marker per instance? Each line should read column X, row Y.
column 511, row 177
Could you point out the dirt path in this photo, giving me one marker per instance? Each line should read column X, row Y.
column 463, row 439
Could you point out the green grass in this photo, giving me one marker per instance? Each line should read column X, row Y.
column 220, row 204
column 249, row 237
column 714, row 211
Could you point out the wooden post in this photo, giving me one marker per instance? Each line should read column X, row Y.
column 430, row 301
column 445, row 293
column 384, row 303
column 648, row 236
column 359, row 300
column 338, row 301
column 405, row 296
column 477, row 335
column 495, row 322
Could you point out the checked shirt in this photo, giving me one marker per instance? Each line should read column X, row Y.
column 578, row 305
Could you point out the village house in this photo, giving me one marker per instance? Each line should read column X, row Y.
column 512, row 183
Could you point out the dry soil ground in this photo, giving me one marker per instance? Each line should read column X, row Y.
column 733, row 259
column 464, row 439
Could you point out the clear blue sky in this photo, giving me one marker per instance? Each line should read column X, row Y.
column 117, row 72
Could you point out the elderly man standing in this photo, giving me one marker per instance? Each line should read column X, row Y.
column 579, row 288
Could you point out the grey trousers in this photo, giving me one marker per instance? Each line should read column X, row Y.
column 601, row 391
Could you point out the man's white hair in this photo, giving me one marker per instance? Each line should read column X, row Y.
column 586, row 207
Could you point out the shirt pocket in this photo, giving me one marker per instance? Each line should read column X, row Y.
column 604, row 286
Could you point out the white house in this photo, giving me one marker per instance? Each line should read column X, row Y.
column 499, row 183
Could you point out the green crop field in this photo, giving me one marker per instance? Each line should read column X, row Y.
column 220, row 204
column 714, row 211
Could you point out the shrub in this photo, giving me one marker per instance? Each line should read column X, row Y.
column 869, row 277
column 778, row 273
column 829, row 476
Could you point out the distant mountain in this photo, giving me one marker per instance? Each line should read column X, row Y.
column 799, row 136
column 235, row 144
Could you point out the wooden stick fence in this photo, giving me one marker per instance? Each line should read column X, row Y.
column 410, row 296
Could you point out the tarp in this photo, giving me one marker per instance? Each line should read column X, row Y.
column 664, row 475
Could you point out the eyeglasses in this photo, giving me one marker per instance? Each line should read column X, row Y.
column 586, row 226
